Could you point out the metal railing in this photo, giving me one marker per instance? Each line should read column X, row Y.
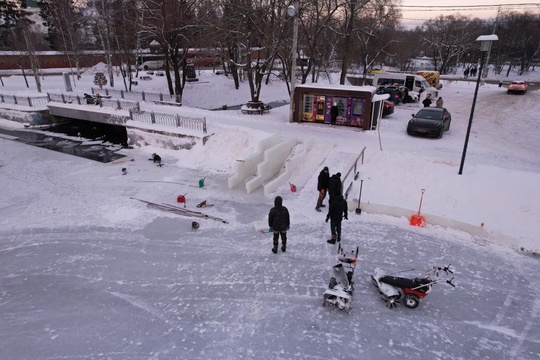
column 175, row 120
column 117, row 104
column 138, row 96
column 24, row 100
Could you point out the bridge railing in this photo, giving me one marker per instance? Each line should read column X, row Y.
column 36, row 101
column 138, row 96
column 117, row 104
column 173, row 120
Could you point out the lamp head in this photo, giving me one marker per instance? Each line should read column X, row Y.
column 486, row 40
column 291, row 11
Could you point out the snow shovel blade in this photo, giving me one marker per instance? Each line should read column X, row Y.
column 358, row 210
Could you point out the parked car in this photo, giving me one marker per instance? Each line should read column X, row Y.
column 388, row 108
column 430, row 121
column 394, row 92
column 518, row 87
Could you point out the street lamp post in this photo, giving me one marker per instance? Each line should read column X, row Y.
column 485, row 46
column 292, row 11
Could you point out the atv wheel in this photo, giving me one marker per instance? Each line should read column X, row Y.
column 411, row 301
column 391, row 303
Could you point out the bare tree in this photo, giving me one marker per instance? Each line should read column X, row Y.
column 448, row 38
column 66, row 19
column 175, row 25
column 519, row 40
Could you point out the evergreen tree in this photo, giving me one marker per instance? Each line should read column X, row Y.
column 13, row 20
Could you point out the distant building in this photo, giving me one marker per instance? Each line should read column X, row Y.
column 421, row 63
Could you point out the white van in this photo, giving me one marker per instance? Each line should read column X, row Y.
column 412, row 82
column 152, row 65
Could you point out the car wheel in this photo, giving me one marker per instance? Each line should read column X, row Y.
column 448, row 126
column 441, row 134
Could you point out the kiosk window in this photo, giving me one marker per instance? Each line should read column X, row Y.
column 358, row 107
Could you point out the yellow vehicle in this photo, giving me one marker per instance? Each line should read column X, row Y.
column 432, row 77
column 375, row 71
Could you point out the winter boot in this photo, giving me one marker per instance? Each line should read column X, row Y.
column 339, row 238
column 276, row 242
column 332, row 240
column 283, row 248
column 318, row 209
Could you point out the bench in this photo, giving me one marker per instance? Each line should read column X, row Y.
column 251, row 111
column 145, row 77
column 171, row 103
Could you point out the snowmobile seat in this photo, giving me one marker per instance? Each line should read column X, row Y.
column 398, row 282
column 420, row 284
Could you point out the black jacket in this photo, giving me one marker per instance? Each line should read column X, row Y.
column 334, row 111
column 323, row 180
column 338, row 209
column 278, row 217
column 334, row 186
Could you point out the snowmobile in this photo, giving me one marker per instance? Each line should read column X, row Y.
column 341, row 286
column 394, row 289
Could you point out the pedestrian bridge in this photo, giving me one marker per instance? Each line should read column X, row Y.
column 93, row 113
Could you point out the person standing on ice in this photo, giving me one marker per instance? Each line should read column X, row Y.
column 439, row 103
column 279, row 222
column 322, row 187
column 337, row 211
column 334, row 186
column 427, row 101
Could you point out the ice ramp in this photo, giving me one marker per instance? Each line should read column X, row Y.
column 300, row 167
column 274, row 158
column 248, row 167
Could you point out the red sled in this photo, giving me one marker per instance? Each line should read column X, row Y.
column 293, row 187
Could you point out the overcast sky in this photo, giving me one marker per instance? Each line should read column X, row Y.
column 417, row 11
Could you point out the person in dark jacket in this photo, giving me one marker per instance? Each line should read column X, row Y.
column 156, row 159
column 337, row 211
column 279, row 222
column 322, row 187
column 334, row 186
column 427, row 101
column 334, row 112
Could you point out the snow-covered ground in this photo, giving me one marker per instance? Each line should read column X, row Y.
column 88, row 272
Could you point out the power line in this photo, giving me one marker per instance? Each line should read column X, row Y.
column 465, row 6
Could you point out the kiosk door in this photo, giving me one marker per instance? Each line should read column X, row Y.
column 320, row 106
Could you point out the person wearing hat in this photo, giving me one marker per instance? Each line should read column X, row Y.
column 337, row 211
column 322, row 187
column 279, row 222
column 334, row 186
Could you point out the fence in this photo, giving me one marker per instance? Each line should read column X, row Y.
column 101, row 102
column 24, row 100
column 138, row 96
column 354, row 169
column 170, row 120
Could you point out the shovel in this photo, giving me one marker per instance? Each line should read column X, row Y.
column 358, row 210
